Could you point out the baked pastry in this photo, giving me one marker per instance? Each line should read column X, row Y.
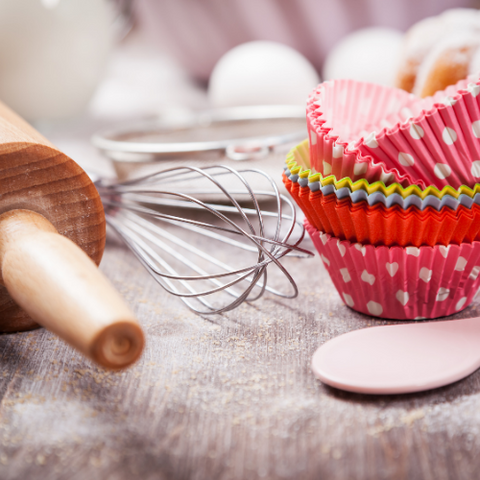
column 440, row 51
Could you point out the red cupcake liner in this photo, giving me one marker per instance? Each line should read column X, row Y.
column 379, row 225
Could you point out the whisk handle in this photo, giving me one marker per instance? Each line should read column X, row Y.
column 60, row 287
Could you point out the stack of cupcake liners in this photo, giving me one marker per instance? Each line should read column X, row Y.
column 379, row 221
column 387, row 183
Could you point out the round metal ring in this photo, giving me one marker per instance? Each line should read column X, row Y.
column 206, row 132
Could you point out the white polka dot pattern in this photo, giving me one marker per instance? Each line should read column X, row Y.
column 406, row 159
column 387, row 178
column 419, row 141
column 360, row 168
column 442, row 170
column 337, row 151
column 416, row 131
column 449, row 135
column 475, row 170
column 476, row 128
column 449, row 101
column 473, row 89
column 371, row 141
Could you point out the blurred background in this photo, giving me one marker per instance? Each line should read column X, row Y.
column 75, row 67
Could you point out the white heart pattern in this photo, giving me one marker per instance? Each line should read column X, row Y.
column 341, row 248
column 327, row 168
column 402, row 297
column 444, row 250
column 367, row 277
column 474, row 273
column 374, row 308
column 442, row 294
column 460, row 303
column 392, row 268
column 413, row 251
column 425, row 274
column 324, row 237
column 345, row 275
column 361, row 248
column 461, row 264
column 325, row 260
column 348, row 300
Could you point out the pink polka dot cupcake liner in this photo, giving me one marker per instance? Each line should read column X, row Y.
column 404, row 283
column 360, row 130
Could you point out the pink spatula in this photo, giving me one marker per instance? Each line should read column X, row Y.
column 400, row 358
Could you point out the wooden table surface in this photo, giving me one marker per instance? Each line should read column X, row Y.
column 228, row 398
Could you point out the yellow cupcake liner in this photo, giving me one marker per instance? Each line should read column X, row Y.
column 298, row 162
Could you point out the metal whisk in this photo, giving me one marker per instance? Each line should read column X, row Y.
column 235, row 240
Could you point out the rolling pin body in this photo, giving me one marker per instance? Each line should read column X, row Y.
column 52, row 233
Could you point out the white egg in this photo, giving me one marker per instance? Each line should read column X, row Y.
column 369, row 55
column 261, row 73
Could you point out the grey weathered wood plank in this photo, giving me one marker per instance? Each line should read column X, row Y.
column 227, row 400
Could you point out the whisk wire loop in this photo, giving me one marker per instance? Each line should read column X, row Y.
column 205, row 202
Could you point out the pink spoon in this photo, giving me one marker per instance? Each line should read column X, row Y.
column 400, row 358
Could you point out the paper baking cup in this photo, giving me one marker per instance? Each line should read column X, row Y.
column 401, row 283
column 379, row 197
column 298, row 164
column 362, row 130
column 379, row 225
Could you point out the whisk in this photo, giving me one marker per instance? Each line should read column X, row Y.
column 158, row 215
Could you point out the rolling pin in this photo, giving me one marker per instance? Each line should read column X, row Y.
column 52, row 237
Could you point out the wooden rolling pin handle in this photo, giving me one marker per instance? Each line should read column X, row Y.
column 60, row 287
